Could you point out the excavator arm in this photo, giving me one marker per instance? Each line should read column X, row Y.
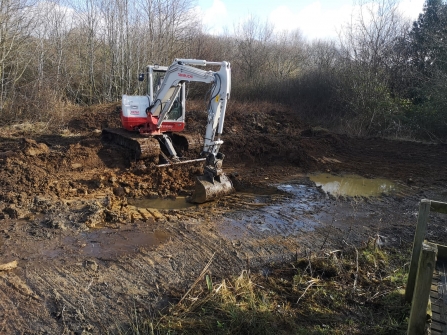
column 214, row 182
column 180, row 72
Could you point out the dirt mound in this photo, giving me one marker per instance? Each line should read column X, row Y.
column 61, row 166
column 58, row 186
column 95, row 117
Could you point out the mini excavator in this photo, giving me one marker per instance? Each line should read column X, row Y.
column 152, row 123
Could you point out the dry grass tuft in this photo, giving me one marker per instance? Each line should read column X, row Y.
column 340, row 292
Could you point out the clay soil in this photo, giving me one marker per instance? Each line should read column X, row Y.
column 87, row 259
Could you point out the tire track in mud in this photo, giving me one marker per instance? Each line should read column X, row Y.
column 21, row 307
column 72, row 185
column 96, row 294
column 81, row 296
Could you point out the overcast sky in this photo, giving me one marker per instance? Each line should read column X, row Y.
column 315, row 19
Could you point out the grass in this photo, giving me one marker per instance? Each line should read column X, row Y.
column 341, row 292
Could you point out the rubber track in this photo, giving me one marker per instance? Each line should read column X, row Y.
column 140, row 147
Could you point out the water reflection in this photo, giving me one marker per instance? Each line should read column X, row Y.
column 353, row 185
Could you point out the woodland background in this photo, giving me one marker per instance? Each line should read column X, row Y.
column 384, row 76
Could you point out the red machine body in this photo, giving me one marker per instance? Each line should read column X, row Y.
column 148, row 125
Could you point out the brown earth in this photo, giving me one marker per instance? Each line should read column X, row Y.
column 88, row 260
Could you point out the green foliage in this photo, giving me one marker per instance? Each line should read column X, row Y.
column 427, row 54
column 429, row 119
column 371, row 109
column 428, row 43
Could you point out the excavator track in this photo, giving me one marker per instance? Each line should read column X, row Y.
column 188, row 142
column 140, row 147
column 188, row 146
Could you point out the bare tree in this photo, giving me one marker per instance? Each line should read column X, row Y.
column 370, row 36
column 252, row 40
column 367, row 44
column 322, row 55
column 15, row 31
column 286, row 55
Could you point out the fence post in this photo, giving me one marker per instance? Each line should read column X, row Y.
column 421, row 229
column 421, row 296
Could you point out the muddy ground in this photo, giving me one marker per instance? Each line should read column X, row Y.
column 89, row 255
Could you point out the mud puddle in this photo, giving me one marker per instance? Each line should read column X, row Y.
column 161, row 203
column 354, row 185
column 113, row 243
column 64, row 246
column 108, row 243
column 293, row 214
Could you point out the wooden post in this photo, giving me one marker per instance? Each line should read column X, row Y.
column 421, row 229
column 418, row 314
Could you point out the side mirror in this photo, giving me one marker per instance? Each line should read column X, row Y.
column 141, row 77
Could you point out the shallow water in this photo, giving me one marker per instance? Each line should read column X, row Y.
column 353, row 185
column 108, row 242
column 292, row 215
column 104, row 242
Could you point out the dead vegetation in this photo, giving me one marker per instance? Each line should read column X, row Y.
column 349, row 291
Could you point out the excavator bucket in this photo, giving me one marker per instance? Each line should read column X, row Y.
column 208, row 190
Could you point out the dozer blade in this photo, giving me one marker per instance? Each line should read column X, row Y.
column 189, row 161
column 207, row 190
column 140, row 147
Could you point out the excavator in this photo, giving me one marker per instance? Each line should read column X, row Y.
column 152, row 123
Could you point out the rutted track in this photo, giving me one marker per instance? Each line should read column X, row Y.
column 86, row 257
